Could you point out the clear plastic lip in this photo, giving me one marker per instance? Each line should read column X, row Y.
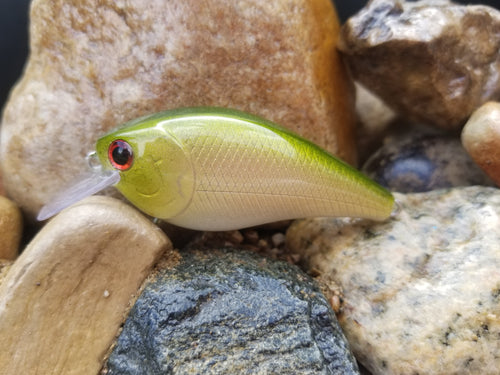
column 95, row 182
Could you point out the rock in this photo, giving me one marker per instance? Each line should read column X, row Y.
column 62, row 302
column 420, row 291
column 230, row 312
column 374, row 118
column 260, row 240
column 2, row 190
column 432, row 61
column 419, row 162
column 105, row 62
column 4, row 268
column 481, row 138
column 11, row 227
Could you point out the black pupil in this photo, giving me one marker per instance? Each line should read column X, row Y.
column 121, row 155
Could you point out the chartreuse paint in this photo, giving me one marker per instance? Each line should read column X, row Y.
column 219, row 169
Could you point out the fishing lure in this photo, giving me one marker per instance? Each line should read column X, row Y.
column 220, row 169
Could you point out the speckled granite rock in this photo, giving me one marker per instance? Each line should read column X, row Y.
column 421, row 291
column 231, row 312
column 105, row 62
column 63, row 300
column 481, row 139
column 419, row 162
column 431, row 60
column 11, row 228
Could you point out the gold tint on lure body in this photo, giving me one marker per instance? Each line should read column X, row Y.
column 216, row 169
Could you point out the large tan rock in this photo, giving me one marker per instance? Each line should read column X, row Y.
column 65, row 297
column 95, row 64
column 11, row 228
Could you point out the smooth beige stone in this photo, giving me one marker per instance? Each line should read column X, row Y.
column 373, row 114
column 65, row 297
column 374, row 118
column 481, row 139
column 421, row 291
column 95, row 64
column 4, row 268
column 11, row 227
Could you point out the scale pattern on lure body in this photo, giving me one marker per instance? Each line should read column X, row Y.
column 219, row 169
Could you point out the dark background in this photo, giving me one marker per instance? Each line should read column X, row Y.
column 14, row 35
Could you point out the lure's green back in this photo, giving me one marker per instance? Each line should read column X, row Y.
column 215, row 169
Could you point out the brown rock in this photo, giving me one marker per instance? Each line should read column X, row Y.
column 104, row 62
column 481, row 139
column 63, row 300
column 431, row 60
column 11, row 227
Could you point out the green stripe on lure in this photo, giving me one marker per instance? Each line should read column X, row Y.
column 219, row 169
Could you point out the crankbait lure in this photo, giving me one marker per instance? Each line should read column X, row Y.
column 219, row 169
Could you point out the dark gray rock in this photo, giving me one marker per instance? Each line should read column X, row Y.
column 424, row 162
column 224, row 311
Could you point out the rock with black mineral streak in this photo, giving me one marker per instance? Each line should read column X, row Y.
column 431, row 60
column 231, row 312
column 422, row 290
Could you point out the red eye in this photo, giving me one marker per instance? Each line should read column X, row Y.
column 120, row 155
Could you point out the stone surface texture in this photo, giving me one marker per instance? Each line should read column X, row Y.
column 481, row 139
column 2, row 190
column 230, row 312
column 63, row 300
column 105, row 62
column 4, row 268
column 374, row 121
column 421, row 292
column 371, row 111
column 417, row 162
column 11, row 228
column 430, row 60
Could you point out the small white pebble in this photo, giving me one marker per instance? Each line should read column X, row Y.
column 278, row 239
column 105, row 294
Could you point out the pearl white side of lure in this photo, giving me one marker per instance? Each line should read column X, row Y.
column 219, row 169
